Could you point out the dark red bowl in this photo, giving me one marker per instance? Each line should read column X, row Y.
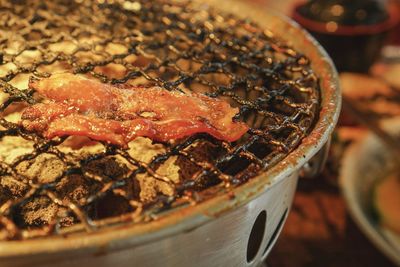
column 352, row 48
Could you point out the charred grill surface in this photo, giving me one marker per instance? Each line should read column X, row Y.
column 49, row 187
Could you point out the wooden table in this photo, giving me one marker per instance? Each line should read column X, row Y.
column 319, row 232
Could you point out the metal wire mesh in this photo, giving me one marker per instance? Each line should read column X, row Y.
column 47, row 187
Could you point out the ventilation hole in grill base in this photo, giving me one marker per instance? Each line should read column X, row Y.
column 256, row 236
column 276, row 233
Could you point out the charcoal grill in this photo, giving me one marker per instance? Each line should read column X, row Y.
column 232, row 198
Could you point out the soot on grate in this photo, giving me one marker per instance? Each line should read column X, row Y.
column 71, row 184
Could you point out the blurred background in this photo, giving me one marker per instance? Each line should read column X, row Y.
column 325, row 228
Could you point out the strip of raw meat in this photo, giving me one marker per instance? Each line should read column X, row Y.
column 118, row 114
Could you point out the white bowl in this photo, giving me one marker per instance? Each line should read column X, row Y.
column 367, row 160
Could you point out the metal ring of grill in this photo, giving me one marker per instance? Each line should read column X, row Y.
column 172, row 44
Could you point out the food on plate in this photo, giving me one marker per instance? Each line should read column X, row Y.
column 75, row 105
column 386, row 202
column 373, row 94
column 389, row 73
column 363, row 87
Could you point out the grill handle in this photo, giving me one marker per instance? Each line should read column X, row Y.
column 317, row 163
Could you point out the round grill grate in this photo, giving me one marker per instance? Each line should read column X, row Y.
column 50, row 187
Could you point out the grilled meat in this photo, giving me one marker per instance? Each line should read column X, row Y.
column 118, row 114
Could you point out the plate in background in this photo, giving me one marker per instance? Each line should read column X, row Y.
column 366, row 161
